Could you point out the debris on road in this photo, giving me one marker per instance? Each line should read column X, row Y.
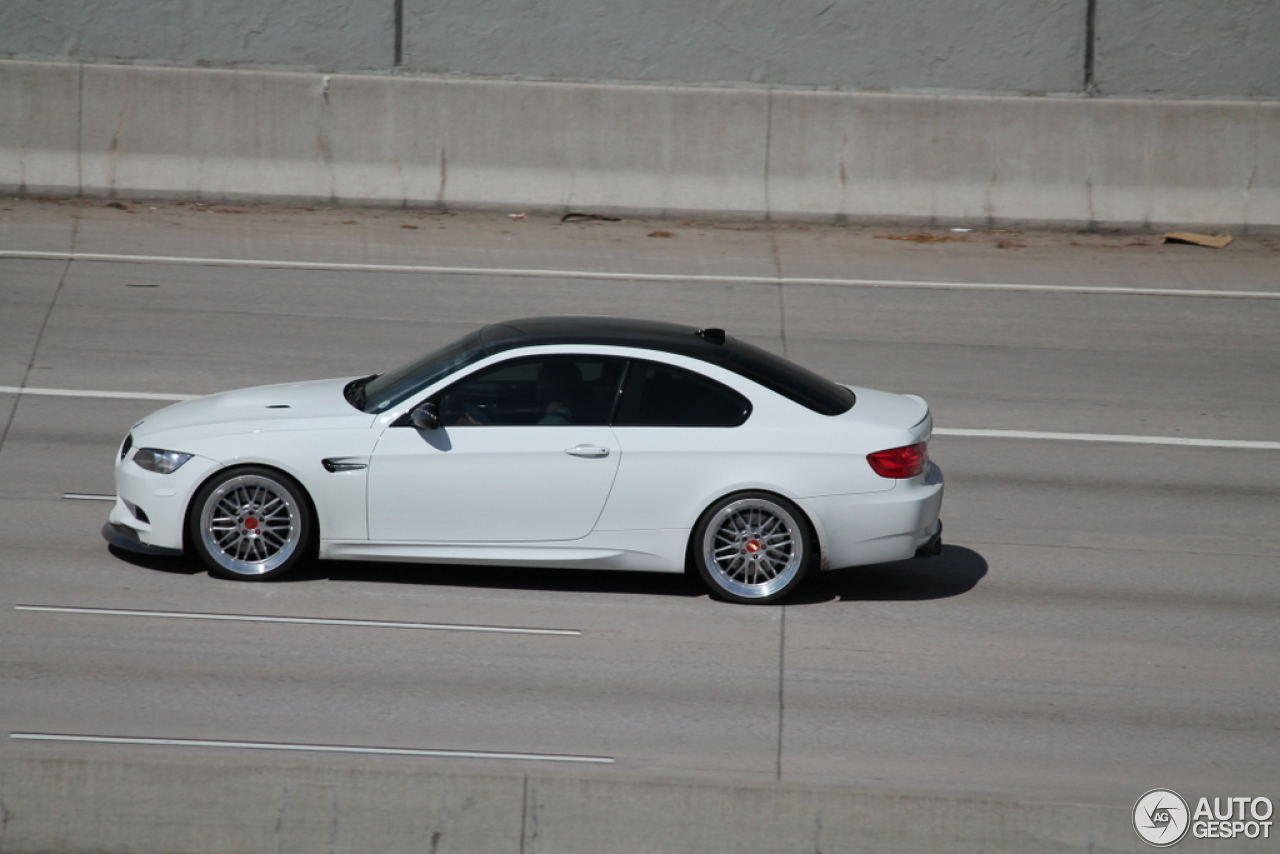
column 919, row 237
column 579, row 217
column 1214, row 241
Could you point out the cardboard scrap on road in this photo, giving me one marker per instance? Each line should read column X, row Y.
column 918, row 237
column 1216, row 241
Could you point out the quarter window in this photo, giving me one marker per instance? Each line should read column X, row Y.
column 657, row 395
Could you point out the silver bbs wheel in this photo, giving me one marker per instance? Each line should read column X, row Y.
column 252, row 524
column 752, row 548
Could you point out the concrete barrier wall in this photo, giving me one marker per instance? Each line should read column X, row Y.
column 145, row 132
column 330, row 34
column 141, row 805
column 1188, row 49
column 1004, row 45
column 1178, row 48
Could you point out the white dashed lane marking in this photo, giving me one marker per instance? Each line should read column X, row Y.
column 601, row 275
column 306, row 621
column 314, row 748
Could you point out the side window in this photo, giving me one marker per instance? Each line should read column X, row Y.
column 535, row 390
column 663, row 396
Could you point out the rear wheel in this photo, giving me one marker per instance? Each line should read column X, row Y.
column 252, row 524
column 753, row 548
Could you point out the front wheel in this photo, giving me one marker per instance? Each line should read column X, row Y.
column 252, row 524
column 752, row 548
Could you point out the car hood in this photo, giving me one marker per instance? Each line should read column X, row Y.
column 250, row 410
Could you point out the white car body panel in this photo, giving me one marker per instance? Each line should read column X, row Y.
column 163, row 498
column 490, row 483
column 513, row 495
column 638, row 551
column 291, row 427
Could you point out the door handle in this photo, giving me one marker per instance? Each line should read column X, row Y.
column 587, row 451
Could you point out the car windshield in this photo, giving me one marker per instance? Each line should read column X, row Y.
column 385, row 391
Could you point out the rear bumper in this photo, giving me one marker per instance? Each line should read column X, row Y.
column 898, row 524
column 933, row 547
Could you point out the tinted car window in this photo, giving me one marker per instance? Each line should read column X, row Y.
column 376, row 394
column 382, row 392
column 663, row 396
column 788, row 379
column 537, row 390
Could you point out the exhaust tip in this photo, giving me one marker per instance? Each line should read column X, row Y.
column 933, row 547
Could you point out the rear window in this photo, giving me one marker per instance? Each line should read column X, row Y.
column 787, row 378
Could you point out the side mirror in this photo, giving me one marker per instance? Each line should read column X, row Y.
column 425, row 417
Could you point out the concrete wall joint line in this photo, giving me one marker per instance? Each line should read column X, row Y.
column 782, row 687
column 1090, row 86
column 79, row 130
column 524, row 813
column 768, row 151
column 398, row 33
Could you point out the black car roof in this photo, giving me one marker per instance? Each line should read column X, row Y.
column 616, row 331
column 710, row 345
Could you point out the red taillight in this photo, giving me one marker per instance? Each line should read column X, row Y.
column 900, row 463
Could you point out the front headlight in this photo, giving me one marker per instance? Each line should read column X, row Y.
column 161, row 462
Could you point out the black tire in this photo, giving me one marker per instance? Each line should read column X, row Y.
column 754, row 548
column 251, row 524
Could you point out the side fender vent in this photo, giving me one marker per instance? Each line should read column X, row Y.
column 341, row 464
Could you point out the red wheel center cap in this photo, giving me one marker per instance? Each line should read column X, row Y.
column 753, row 546
column 251, row 524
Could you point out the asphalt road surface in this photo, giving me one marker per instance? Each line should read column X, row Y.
column 1101, row 622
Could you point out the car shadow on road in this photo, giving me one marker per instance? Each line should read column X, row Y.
column 158, row 563
column 954, row 572
column 449, row 575
column 545, row 579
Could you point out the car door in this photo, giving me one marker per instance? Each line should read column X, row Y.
column 682, row 438
column 523, row 454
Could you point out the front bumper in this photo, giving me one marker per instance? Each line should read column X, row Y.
column 150, row 508
column 127, row 539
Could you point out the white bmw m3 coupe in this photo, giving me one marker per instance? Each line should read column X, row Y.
column 589, row 442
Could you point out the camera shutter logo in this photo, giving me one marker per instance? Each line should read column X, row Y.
column 1161, row 817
